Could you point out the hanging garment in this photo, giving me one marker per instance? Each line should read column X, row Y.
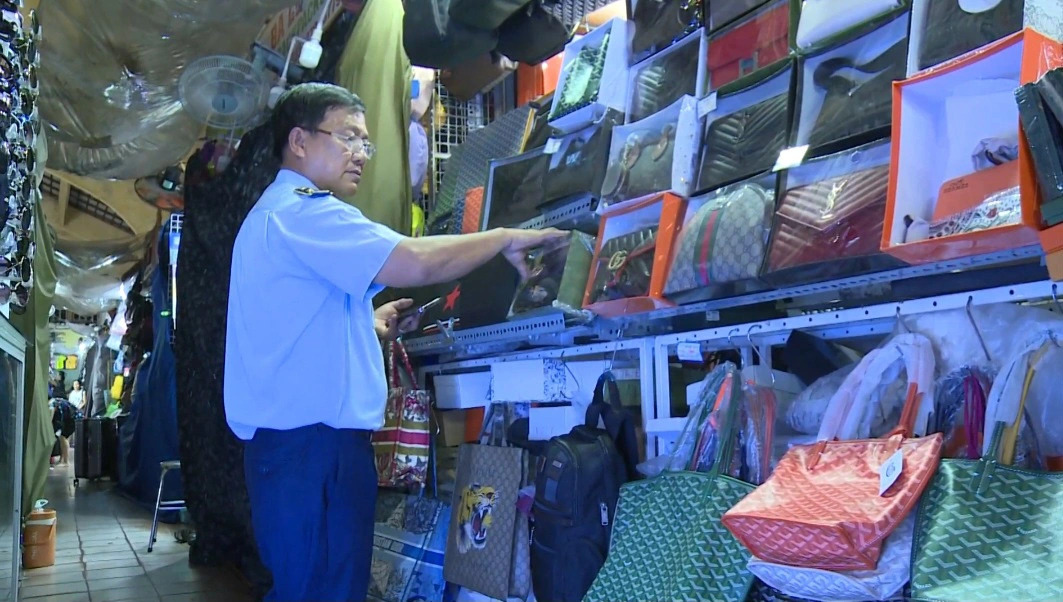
column 211, row 456
column 374, row 66
column 149, row 435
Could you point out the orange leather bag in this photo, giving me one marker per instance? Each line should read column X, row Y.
column 822, row 508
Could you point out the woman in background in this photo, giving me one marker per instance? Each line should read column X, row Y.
column 77, row 396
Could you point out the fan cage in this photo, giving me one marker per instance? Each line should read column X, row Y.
column 214, row 79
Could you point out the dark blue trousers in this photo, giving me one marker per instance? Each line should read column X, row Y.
column 313, row 499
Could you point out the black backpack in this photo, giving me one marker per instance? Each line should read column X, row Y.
column 576, row 491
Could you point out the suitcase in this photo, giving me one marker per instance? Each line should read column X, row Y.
column 96, row 449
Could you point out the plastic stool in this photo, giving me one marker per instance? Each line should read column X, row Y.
column 161, row 504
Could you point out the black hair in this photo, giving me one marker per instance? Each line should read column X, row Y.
column 304, row 106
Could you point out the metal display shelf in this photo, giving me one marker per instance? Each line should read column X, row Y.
column 552, row 329
column 871, row 321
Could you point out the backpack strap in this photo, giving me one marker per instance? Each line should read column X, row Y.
column 619, row 424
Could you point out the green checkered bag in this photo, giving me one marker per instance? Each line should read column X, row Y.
column 987, row 530
column 668, row 542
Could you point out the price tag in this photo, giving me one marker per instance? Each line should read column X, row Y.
column 689, row 352
column 890, row 471
column 791, row 157
column 552, row 146
column 712, row 315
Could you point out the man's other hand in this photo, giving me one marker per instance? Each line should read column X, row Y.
column 520, row 241
column 387, row 323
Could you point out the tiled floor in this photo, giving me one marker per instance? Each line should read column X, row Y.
column 101, row 554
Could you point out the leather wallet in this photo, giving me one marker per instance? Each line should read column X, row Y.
column 516, row 190
column 664, row 79
column 578, row 165
column 859, row 96
column 836, row 218
column 582, row 79
column 951, row 31
column 641, row 163
column 760, row 41
column 625, row 266
column 724, row 241
column 659, row 23
column 745, row 142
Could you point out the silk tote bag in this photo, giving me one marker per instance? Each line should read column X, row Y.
column 401, row 447
column 822, row 507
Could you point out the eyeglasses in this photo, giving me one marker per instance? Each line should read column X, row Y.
column 354, row 144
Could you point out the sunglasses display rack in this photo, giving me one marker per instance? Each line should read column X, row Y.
column 21, row 128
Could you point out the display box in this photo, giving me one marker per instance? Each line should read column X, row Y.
column 659, row 81
column 461, row 391
column 829, row 218
column 657, row 24
column 557, row 277
column 514, row 191
column 593, row 78
column 721, row 13
column 450, row 427
column 578, row 161
column 844, row 92
column 822, row 21
column 955, row 190
column 657, row 154
column 635, row 246
column 945, row 29
column 545, row 380
column 748, row 128
column 756, row 41
column 722, row 244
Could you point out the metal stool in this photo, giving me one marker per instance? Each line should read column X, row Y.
column 161, row 504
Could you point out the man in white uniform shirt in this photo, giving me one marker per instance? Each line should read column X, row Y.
column 304, row 373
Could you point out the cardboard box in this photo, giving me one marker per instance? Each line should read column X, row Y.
column 461, row 391
column 38, row 539
column 939, row 117
column 450, row 427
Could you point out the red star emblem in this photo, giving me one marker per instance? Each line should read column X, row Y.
column 452, row 299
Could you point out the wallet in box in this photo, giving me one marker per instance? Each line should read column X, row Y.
column 514, row 189
column 557, row 276
column 949, row 30
column 479, row 299
column 725, row 239
column 756, row 42
column 831, row 227
column 748, row 140
column 660, row 23
column 724, row 12
column 847, row 91
column 581, row 78
column 625, row 266
column 578, row 165
column 640, row 157
column 661, row 80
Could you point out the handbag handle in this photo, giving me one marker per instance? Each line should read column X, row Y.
column 397, row 351
column 598, row 403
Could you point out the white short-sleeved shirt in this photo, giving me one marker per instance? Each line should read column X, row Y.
column 300, row 346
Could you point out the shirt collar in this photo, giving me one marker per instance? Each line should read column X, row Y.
column 288, row 176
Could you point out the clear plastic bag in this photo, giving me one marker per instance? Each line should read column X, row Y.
column 696, row 447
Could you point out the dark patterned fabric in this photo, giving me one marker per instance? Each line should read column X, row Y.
column 211, row 456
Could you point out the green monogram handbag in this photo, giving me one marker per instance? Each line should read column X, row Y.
column 987, row 530
column 668, row 542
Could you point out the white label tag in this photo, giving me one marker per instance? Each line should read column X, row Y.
column 791, row 157
column 712, row 315
column 689, row 352
column 552, row 146
column 890, row 471
column 707, row 105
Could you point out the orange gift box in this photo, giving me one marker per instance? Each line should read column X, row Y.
column 961, row 102
column 666, row 211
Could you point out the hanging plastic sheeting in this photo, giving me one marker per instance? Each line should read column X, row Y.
column 212, row 458
column 110, row 72
column 149, row 435
column 89, row 273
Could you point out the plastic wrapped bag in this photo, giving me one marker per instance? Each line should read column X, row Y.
column 696, row 447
